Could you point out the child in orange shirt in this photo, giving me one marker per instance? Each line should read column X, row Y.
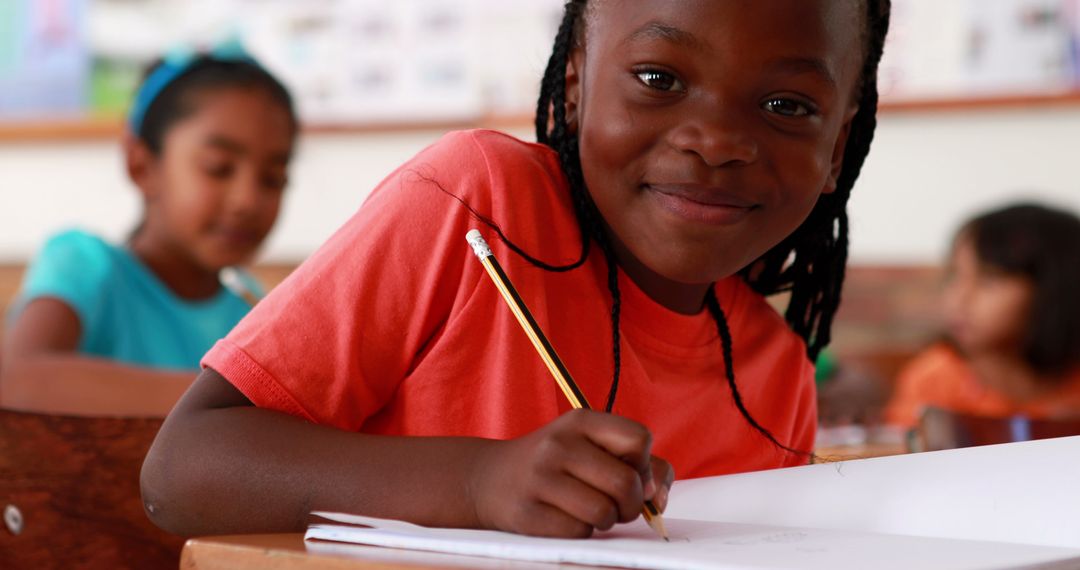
column 693, row 157
column 1013, row 313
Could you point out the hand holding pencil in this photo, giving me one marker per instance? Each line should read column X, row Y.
column 582, row 472
column 606, row 445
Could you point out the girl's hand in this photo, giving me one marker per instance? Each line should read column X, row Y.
column 584, row 471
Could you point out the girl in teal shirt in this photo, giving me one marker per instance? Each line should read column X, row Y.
column 110, row 329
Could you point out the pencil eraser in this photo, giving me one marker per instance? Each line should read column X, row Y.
column 480, row 247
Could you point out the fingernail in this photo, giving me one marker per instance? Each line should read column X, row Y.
column 661, row 498
column 650, row 489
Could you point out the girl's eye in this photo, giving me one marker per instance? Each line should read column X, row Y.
column 274, row 181
column 991, row 277
column 219, row 170
column 787, row 107
column 659, row 80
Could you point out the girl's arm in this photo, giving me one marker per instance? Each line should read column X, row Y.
column 220, row 465
column 41, row 371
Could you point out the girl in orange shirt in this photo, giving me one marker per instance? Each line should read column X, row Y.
column 1013, row 314
column 693, row 157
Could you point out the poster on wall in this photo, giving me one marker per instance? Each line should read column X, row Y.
column 44, row 58
column 981, row 48
column 346, row 61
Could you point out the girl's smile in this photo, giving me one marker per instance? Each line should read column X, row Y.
column 701, row 203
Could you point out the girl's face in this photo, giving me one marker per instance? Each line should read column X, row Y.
column 709, row 128
column 217, row 185
column 986, row 310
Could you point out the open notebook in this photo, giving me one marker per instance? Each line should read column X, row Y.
column 997, row 507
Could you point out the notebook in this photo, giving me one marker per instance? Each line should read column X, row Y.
column 995, row 507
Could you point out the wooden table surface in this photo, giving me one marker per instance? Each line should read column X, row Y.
column 290, row 552
column 859, row 451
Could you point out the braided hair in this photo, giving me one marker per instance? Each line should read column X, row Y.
column 809, row 263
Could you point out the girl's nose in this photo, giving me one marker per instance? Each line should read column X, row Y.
column 245, row 193
column 719, row 138
column 955, row 297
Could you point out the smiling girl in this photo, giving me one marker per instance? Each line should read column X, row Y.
column 693, row 157
column 106, row 329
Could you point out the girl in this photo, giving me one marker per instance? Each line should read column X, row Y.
column 119, row 329
column 1013, row 314
column 687, row 151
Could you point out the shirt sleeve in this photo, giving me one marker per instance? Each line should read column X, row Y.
column 914, row 385
column 72, row 267
column 332, row 342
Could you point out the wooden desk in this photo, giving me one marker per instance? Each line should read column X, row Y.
column 835, row 453
column 290, row 552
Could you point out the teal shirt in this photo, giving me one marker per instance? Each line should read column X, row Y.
column 126, row 313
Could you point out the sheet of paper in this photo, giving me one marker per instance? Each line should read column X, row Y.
column 701, row 545
column 1019, row 492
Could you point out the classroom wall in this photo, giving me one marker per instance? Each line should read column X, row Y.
column 928, row 171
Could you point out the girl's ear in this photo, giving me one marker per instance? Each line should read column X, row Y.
column 838, row 152
column 574, row 65
column 141, row 165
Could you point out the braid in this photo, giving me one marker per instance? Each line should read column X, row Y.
column 552, row 100
column 554, row 82
column 552, row 105
column 553, row 129
column 616, row 341
column 722, row 329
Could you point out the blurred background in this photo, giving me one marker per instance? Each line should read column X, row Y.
column 981, row 106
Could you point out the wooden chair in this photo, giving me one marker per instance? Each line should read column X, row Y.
column 75, row 482
column 942, row 429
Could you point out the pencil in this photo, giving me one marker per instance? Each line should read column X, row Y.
column 545, row 350
column 231, row 279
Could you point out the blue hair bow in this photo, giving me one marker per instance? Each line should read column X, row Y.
column 174, row 64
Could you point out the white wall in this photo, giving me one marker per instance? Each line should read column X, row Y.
column 928, row 171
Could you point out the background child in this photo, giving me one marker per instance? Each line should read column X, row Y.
column 688, row 151
column 119, row 329
column 1013, row 317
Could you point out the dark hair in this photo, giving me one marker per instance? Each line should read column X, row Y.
column 1041, row 244
column 205, row 73
column 809, row 263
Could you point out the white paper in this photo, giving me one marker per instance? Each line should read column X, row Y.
column 1018, row 492
column 703, row 545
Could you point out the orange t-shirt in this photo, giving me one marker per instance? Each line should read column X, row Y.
column 392, row 327
column 941, row 378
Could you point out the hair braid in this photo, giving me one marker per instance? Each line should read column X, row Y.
column 553, row 129
column 616, row 340
column 726, row 343
column 551, row 108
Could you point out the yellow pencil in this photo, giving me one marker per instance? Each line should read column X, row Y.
column 544, row 349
